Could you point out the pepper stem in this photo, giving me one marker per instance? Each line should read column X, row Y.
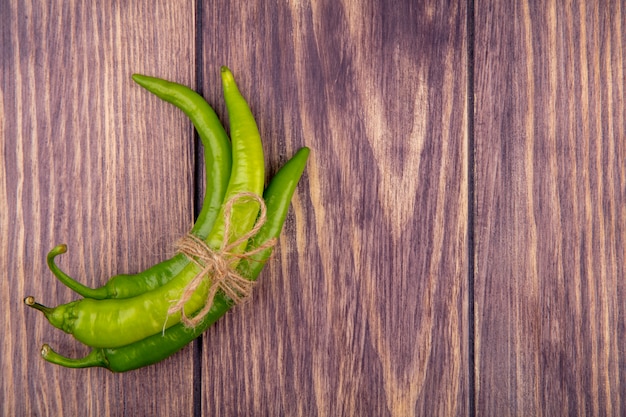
column 68, row 281
column 94, row 358
column 30, row 301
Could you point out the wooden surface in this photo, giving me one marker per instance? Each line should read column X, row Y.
column 455, row 248
column 550, row 208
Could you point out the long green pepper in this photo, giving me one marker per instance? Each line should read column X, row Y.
column 217, row 161
column 217, row 148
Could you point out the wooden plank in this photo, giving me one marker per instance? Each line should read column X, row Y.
column 92, row 160
column 550, row 208
column 363, row 310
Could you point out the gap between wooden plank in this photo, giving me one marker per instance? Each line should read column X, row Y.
column 470, row 211
column 197, row 197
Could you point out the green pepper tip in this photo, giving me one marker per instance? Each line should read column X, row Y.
column 228, row 79
column 141, row 79
column 304, row 150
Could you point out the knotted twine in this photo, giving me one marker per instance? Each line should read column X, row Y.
column 218, row 266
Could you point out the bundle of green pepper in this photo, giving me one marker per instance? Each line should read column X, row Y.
column 128, row 322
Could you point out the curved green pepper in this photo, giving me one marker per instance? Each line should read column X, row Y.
column 218, row 162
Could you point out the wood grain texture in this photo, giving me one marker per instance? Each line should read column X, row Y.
column 550, row 208
column 363, row 310
column 91, row 160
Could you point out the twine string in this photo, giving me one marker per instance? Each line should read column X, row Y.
column 217, row 265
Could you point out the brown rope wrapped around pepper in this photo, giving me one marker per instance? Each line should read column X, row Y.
column 218, row 266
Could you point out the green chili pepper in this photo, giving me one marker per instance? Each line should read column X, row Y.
column 118, row 322
column 157, row 347
column 217, row 151
column 218, row 161
column 248, row 172
column 121, row 285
